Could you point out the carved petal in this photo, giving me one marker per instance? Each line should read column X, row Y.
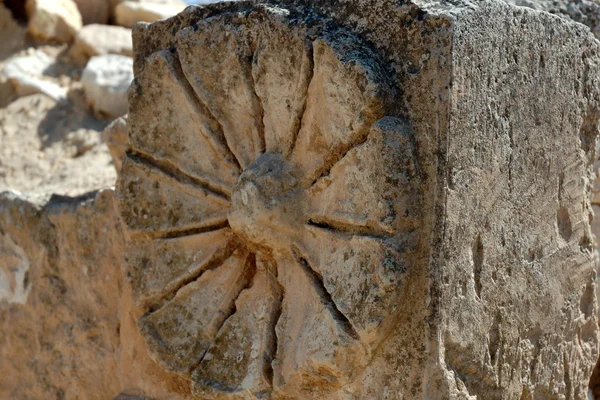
column 362, row 274
column 282, row 70
column 344, row 100
column 179, row 333
column 167, row 121
column 160, row 266
column 240, row 358
column 153, row 201
column 316, row 348
column 373, row 188
column 217, row 59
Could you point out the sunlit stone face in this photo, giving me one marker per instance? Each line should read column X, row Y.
column 267, row 204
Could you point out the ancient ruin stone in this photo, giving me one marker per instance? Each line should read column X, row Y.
column 271, row 215
column 364, row 200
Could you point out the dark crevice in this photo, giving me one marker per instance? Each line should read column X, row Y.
column 300, row 116
column 344, row 228
column 169, row 169
column 274, row 342
column 178, row 233
column 317, row 282
column 204, row 110
column 477, row 254
column 258, row 100
column 17, row 9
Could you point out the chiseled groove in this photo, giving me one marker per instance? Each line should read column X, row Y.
column 215, row 262
column 302, row 110
column 317, row 282
column 250, row 265
column 338, row 154
column 178, row 233
column 348, row 228
column 269, row 370
column 170, row 170
column 258, row 100
column 191, row 91
column 313, row 64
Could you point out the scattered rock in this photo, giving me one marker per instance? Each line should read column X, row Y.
column 128, row 13
column 106, row 79
column 94, row 11
column 115, row 137
column 26, row 74
column 53, row 20
column 93, row 40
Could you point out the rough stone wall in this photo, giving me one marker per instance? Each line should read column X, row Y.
column 59, row 319
column 586, row 12
column 518, row 245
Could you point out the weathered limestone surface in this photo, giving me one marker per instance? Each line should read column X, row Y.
column 59, row 319
column 356, row 200
column 586, row 12
column 395, row 188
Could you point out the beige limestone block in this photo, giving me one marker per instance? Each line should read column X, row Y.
column 416, row 220
column 127, row 13
column 96, row 39
column 53, row 20
column 106, row 79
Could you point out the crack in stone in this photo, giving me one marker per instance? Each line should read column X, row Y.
column 319, row 286
column 344, row 228
column 170, row 170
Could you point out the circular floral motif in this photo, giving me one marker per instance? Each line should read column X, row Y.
column 270, row 202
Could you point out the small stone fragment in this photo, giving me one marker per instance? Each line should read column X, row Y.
column 128, row 13
column 105, row 81
column 95, row 39
column 26, row 74
column 53, row 20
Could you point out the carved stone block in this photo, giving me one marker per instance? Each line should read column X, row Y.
column 340, row 200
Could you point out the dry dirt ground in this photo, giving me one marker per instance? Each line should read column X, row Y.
column 48, row 146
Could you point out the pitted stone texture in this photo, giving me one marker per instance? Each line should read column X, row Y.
column 263, row 269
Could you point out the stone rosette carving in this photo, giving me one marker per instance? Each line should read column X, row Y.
column 271, row 195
